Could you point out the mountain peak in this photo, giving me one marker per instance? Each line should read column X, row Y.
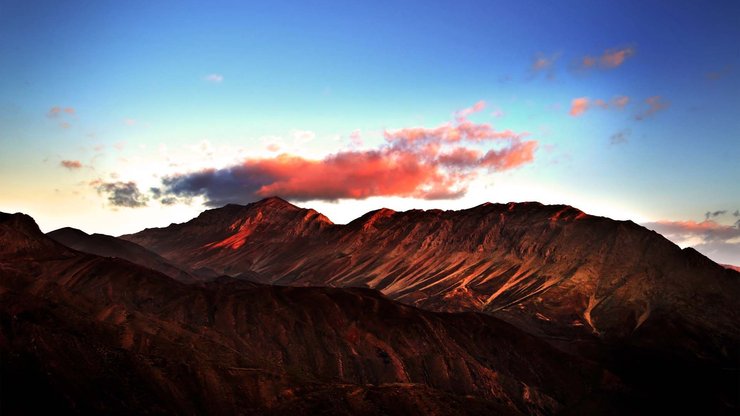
column 20, row 236
column 274, row 202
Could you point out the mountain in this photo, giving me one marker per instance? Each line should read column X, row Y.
column 108, row 246
column 611, row 291
column 80, row 333
column 534, row 264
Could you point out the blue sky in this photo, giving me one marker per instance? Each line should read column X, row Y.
column 157, row 90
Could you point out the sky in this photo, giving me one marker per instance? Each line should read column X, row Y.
column 116, row 116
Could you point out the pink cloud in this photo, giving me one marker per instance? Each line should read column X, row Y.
column 620, row 101
column 466, row 112
column 613, row 58
column 418, row 162
column 57, row 111
column 71, row 164
column 578, row 106
column 581, row 104
column 214, row 78
column 654, row 104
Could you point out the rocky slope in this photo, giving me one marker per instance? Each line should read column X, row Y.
column 81, row 333
column 608, row 290
column 539, row 265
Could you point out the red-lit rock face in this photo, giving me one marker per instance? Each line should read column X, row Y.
column 549, row 269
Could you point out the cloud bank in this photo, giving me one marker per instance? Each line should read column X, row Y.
column 419, row 162
column 720, row 242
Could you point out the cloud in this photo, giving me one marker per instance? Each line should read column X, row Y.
column 611, row 58
column 214, row 78
column 355, row 138
column 654, row 104
column 714, row 214
column 420, row 162
column 71, row 164
column 57, row 111
column 578, row 106
column 620, row 101
column 121, row 194
column 717, row 241
column 719, row 74
column 544, row 64
column 129, row 121
column 620, row 137
column 466, row 112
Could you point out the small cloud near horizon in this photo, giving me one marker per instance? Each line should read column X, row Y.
column 121, row 194
column 71, row 164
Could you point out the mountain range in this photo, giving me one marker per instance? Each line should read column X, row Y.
column 518, row 308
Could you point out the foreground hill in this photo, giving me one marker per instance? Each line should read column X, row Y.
column 85, row 334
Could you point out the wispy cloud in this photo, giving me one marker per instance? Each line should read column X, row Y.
column 121, row 194
column 429, row 163
column 466, row 112
column 609, row 59
column 544, row 64
column 620, row 137
column 214, row 78
column 578, row 106
column 71, row 164
column 56, row 111
column 718, row 74
column 654, row 104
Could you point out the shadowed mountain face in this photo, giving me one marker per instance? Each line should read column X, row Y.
column 108, row 246
column 86, row 334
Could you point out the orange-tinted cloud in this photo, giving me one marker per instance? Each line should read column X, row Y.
column 620, row 101
column 611, row 58
column 544, row 64
column 578, row 106
column 71, row 164
column 654, row 104
column 429, row 163
column 57, row 111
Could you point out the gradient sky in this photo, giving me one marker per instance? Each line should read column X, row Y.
column 627, row 109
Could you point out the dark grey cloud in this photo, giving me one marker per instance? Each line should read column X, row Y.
column 122, row 194
column 620, row 137
column 236, row 184
column 714, row 214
